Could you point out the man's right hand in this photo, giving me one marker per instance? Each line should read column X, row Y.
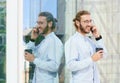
column 34, row 34
column 97, row 56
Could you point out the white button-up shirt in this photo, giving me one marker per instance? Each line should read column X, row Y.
column 78, row 52
column 47, row 58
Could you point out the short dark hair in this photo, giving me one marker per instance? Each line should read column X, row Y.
column 78, row 16
column 49, row 18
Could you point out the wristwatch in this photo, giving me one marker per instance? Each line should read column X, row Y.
column 98, row 38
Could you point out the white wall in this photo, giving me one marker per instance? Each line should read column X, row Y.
column 15, row 63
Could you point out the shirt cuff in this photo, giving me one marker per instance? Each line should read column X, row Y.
column 31, row 42
column 30, row 45
column 99, row 42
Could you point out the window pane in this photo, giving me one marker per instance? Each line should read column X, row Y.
column 30, row 13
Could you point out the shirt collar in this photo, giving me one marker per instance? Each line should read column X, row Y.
column 50, row 34
column 80, row 35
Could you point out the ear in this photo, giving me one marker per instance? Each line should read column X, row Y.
column 50, row 24
column 77, row 23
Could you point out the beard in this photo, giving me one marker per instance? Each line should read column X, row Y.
column 45, row 30
column 82, row 29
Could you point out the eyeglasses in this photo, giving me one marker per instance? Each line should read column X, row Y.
column 87, row 21
column 39, row 22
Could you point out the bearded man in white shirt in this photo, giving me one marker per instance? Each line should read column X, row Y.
column 46, row 53
column 81, row 52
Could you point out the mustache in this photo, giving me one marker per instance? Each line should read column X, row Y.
column 88, row 26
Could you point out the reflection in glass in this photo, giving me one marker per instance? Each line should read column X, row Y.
column 30, row 13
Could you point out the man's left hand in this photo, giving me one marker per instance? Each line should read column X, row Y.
column 29, row 57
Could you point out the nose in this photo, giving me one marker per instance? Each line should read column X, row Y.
column 37, row 25
column 89, row 24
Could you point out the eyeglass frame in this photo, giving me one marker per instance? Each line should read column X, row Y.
column 87, row 21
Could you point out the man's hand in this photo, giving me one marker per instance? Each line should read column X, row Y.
column 34, row 33
column 29, row 57
column 95, row 32
column 97, row 56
